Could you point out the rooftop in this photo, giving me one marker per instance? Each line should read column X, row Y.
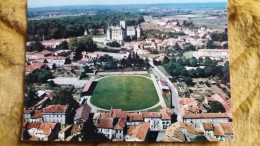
column 205, row 115
column 56, row 109
column 82, row 113
column 139, row 131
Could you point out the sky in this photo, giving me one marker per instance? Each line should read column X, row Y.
column 45, row 3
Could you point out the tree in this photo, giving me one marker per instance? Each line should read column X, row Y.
column 180, row 61
column 86, row 69
column 30, row 98
column 216, row 107
column 51, row 84
column 54, row 66
column 83, row 75
column 190, row 48
column 45, row 61
column 166, row 60
column 192, row 73
column 207, row 61
column 67, row 61
column 187, row 62
column 193, row 61
column 113, row 44
column 63, row 96
column 35, row 46
column 208, row 71
column 200, row 138
column 200, row 60
column 185, row 73
column 188, row 81
column 63, row 46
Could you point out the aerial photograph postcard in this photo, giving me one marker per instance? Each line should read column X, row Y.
column 132, row 70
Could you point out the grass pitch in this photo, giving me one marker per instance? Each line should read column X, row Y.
column 125, row 92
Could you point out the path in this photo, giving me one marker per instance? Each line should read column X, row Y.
column 174, row 92
column 95, row 108
column 158, row 90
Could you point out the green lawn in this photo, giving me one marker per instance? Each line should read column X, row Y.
column 125, row 92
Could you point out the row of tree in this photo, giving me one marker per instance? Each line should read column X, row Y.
column 75, row 26
column 177, row 68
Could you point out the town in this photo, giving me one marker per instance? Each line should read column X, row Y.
column 159, row 74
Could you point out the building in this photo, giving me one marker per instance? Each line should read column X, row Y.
column 65, row 132
column 27, row 115
column 213, row 53
column 196, row 119
column 68, row 82
column 138, row 133
column 37, row 116
column 55, row 114
column 180, row 132
column 164, row 87
column 82, row 115
column 121, row 32
column 47, row 131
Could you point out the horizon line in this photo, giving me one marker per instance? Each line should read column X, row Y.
column 126, row 4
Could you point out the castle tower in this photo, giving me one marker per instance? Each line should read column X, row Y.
column 109, row 33
column 123, row 24
column 138, row 31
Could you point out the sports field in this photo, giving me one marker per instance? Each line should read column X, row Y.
column 124, row 92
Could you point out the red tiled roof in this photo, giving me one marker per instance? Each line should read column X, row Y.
column 120, row 124
column 37, row 114
column 227, row 127
column 118, row 113
column 205, row 115
column 218, row 130
column 105, row 123
column 86, row 88
column 134, row 117
column 151, row 114
column 139, row 131
column 207, row 126
column 165, row 116
column 25, row 124
column 47, row 127
column 52, row 57
column 55, row 109
column 33, row 125
column 31, row 68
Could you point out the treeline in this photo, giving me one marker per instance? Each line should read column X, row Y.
column 156, row 33
column 74, row 26
column 176, row 67
column 133, row 60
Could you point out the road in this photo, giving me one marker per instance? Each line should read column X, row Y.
column 174, row 92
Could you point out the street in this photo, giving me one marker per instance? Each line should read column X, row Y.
column 175, row 101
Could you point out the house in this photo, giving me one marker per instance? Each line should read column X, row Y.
column 180, row 132
column 134, row 119
column 120, row 129
column 34, row 67
column 85, row 90
column 47, row 131
column 82, row 115
column 40, row 93
column 218, row 132
column 196, row 119
column 138, row 133
column 55, row 114
column 27, row 115
column 105, row 126
column 65, row 132
column 154, row 118
column 37, row 116
column 59, row 61
column 76, row 129
column 164, row 87
column 208, row 129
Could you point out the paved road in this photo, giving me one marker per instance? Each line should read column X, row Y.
column 174, row 92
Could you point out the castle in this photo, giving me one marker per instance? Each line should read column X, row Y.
column 122, row 32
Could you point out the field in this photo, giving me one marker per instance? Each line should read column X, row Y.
column 124, row 92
